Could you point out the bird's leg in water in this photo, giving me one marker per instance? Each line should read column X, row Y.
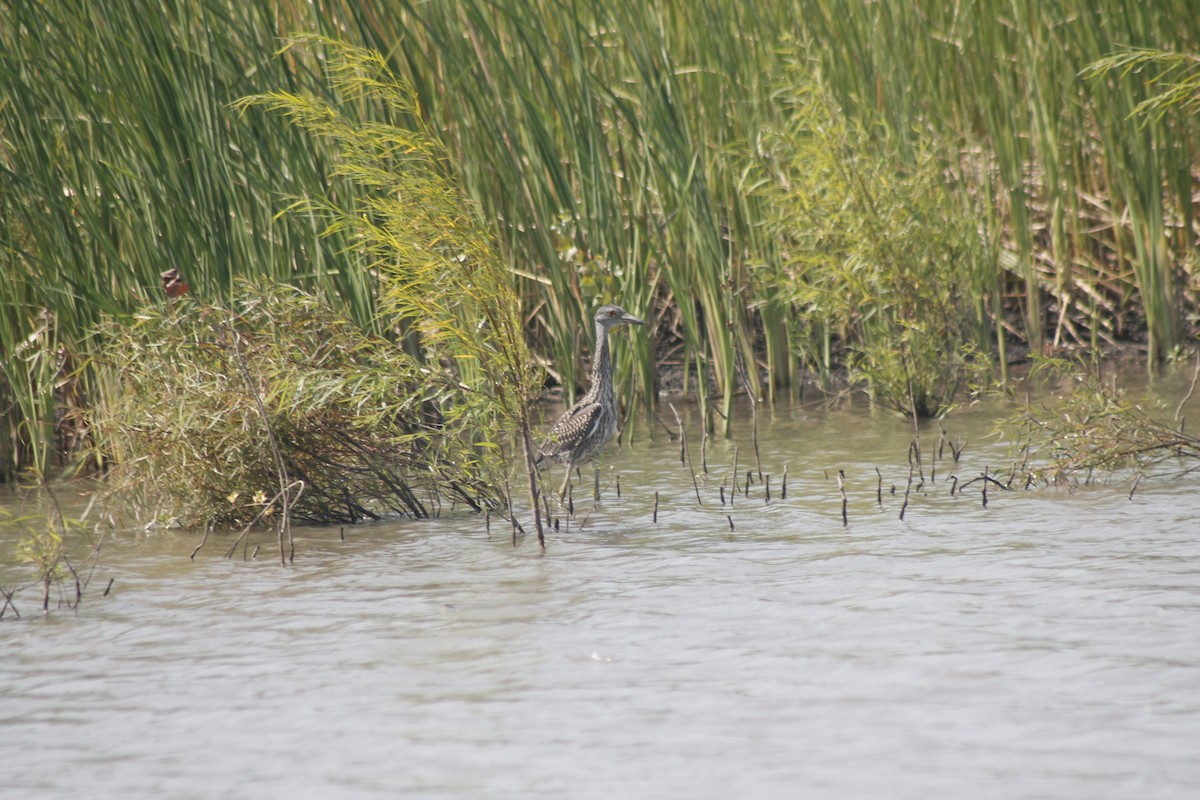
column 562, row 490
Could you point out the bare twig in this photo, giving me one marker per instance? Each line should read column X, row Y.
column 842, row 489
column 8, row 603
column 733, row 480
column 1191, row 390
column 207, row 529
column 285, row 526
column 685, row 456
column 267, row 506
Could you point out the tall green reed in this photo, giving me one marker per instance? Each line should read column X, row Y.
column 609, row 143
column 1086, row 196
column 121, row 159
column 599, row 135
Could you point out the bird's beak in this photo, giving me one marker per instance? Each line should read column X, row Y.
column 630, row 319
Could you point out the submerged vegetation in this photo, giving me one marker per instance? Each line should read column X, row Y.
column 897, row 190
column 61, row 551
column 1097, row 428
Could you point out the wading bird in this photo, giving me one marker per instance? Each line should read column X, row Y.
column 586, row 426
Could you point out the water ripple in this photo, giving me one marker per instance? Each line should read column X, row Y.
column 1042, row 647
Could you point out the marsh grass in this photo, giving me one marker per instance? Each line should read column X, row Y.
column 219, row 404
column 611, row 147
column 120, row 158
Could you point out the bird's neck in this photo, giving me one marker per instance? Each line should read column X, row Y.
column 602, row 360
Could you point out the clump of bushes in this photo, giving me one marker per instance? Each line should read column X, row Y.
column 1096, row 428
column 225, row 413
column 208, row 395
column 882, row 261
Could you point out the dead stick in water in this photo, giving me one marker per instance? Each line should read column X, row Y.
column 783, row 489
column 767, row 486
column 722, row 488
column 985, row 485
column 879, row 488
column 8, row 603
column 686, row 455
column 914, row 451
column 596, row 486
column 695, row 484
column 907, row 489
column 208, row 528
column 842, row 489
column 1179, row 408
column 546, row 504
column 1133, row 489
column 733, row 481
column 749, row 479
column 654, row 518
column 757, row 457
column 243, row 539
column 618, row 486
column 682, row 437
column 730, row 518
column 987, row 479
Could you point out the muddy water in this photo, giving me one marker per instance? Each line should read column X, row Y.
column 1046, row 646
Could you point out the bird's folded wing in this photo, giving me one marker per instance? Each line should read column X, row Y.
column 577, row 425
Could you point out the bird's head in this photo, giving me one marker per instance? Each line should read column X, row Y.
column 611, row 316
